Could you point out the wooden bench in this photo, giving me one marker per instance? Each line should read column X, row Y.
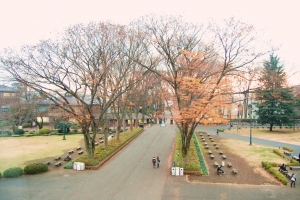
column 295, row 167
column 295, row 158
column 78, row 148
column 229, row 164
column 71, row 151
column 215, row 144
column 100, row 138
column 282, row 171
column 217, row 147
column 57, row 158
column 96, row 143
column 287, row 153
column 101, row 141
column 288, row 175
column 224, row 157
column 58, row 164
column 29, row 135
column 207, row 147
column 203, row 140
column 205, row 144
column 221, row 152
column 201, row 134
column 47, row 163
column 216, row 164
column 210, row 137
column 234, row 171
column 80, row 152
column 209, row 152
column 212, row 156
column 212, row 140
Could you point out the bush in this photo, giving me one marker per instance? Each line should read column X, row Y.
column 44, row 131
column 19, row 132
column 35, row 168
column 0, row 175
column 26, row 125
column 268, row 166
column 13, row 172
column 278, row 153
column 288, row 149
column 8, row 133
column 69, row 165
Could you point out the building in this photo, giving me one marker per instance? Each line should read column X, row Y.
column 8, row 96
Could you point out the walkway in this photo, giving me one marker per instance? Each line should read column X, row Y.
column 129, row 175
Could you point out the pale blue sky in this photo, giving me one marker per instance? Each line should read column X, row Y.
column 27, row 21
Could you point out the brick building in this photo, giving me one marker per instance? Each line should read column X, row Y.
column 8, row 96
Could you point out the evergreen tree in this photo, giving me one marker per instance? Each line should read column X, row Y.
column 275, row 102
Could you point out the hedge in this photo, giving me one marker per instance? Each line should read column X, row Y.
column 288, row 149
column 204, row 170
column 35, row 168
column 13, row 172
column 278, row 175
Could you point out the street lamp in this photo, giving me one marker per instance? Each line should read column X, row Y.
column 250, row 115
column 64, row 127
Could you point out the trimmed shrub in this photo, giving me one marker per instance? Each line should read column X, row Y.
column 19, row 132
column 268, row 166
column 220, row 129
column 35, row 168
column 44, row 131
column 69, row 165
column 0, row 175
column 278, row 153
column 13, row 172
column 288, row 149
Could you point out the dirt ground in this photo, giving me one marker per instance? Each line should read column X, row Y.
column 249, row 167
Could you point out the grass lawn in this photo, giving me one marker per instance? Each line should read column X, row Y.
column 19, row 151
column 281, row 135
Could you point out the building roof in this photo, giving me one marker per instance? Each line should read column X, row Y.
column 4, row 88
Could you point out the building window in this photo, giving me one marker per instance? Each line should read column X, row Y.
column 4, row 109
column 5, row 95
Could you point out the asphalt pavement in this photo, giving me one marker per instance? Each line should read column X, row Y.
column 130, row 175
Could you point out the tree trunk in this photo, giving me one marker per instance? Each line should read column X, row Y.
column 89, row 143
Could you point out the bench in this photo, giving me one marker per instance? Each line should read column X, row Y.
column 201, row 134
column 221, row 152
column 205, row 144
column 71, row 151
column 211, row 140
column 217, row 147
column 80, row 152
column 224, row 157
column 212, row 156
column 100, row 138
column 207, row 147
column 295, row 167
column 57, row 158
column 203, row 140
column 209, row 152
column 288, row 175
column 47, row 163
column 295, row 158
column 47, row 134
column 234, row 171
column 229, row 164
column 216, row 164
column 210, row 137
column 15, row 135
column 78, row 148
column 215, row 144
column 101, row 141
column 287, row 153
column 29, row 135
column 58, row 164
column 282, row 171
column 96, row 143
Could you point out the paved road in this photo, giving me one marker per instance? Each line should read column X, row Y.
column 129, row 175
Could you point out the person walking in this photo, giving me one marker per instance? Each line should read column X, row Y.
column 293, row 180
column 217, row 131
column 158, row 161
column 153, row 162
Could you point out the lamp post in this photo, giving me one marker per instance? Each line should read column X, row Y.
column 64, row 127
column 250, row 115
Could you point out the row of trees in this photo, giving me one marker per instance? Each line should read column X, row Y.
column 103, row 65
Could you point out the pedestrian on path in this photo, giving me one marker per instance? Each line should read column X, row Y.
column 154, row 161
column 293, row 180
column 158, row 161
column 217, row 131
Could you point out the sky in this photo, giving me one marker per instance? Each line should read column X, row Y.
column 27, row 21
